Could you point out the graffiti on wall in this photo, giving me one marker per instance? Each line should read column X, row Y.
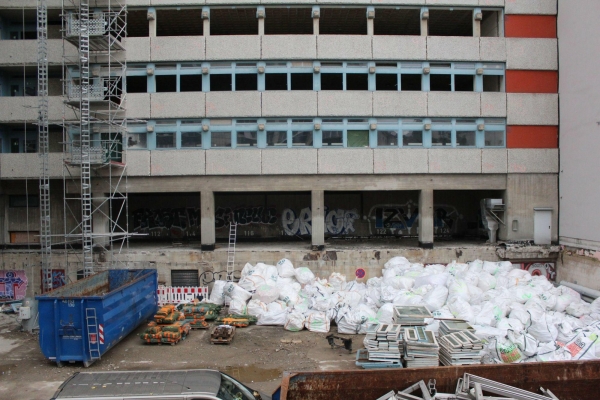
column 13, row 285
column 245, row 216
column 167, row 222
column 547, row 269
column 403, row 219
column 337, row 221
column 59, row 278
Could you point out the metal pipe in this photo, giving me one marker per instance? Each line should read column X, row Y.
column 582, row 289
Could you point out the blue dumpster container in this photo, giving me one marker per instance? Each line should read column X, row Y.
column 83, row 320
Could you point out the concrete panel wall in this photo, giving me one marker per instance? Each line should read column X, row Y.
column 579, row 87
column 455, row 161
column 492, row 49
column 454, row 104
column 177, row 48
column 350, row 103
column 289, row 103
column 177, row 105
column 394, row 104
column 577, row 266
column 138, row 49
column 535, row 54
column 452, row 48
column 400, row 161
column 399, row 47
column 494, row 161
column 17, row 52
column 527, row 161
column 138, row 105
column 19, row 165
column 289, row 47
column 531, row 7
column 347, row 47
column 289, row 161
column 177, row 162
column 532, row 109
column 15, row 109
column 345, row 161
column 138, row 162
column 233, row 47
column 470, row 3
column 233, row 104
column 233, row 162
column 493, row 104
column 57, row 109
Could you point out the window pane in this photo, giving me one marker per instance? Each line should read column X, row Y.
column 136, row 141
column 302, row 138
column 441, row 138
column 165, row 140
column 465, row 139
column 333, row 138
column 494, row 139
column 191, row 139
column 412, row 138
column 221, row 139
column 278, row 138
column 246, row 138
column 387, row 138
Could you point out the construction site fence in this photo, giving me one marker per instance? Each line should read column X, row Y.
column 180, row 294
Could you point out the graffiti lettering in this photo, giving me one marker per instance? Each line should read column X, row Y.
column 245, row 216
column 13, row 285
column 210, row 276
column 58, row 278
column 167, row 222
column 399, row 219
column 337, row 222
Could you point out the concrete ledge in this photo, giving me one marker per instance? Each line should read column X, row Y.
column 289, row 161
column 19, row 165
column 454, row 104
column 494, row 161
column 531, row 7
column 233, row 104
column 177, row 105
column 233, row 162
column 491, row 3
column 138, row 162
column 137, row 49
column 531, row 54
column 289, row 47
column 400, row 2
column 180, row 48
column 349, row 103
column 399, row 104
column 177, row 162
column 492, row 49
column 526, row 161
column 454, row 161
column 399, row 47
column 493, row 104
column 138, row 105
column 400, row 161
column 453, row 48
column 289, row 103
column 345, row 161
column 344, row 47
column 532, row 109
column 18, row 109
column 471, row 3
column 18, row 52
column 243, row 47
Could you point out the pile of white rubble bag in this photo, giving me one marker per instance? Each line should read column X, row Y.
column 520, row 317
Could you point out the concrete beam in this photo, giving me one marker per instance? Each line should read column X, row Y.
column 207, row 220
column 318, row 219
column 531, row 54
column 399, row 47
column 536, row 7
column 180, row 48
column 426, row 218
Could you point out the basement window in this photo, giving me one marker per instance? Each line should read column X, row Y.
column 357, row 82
column 302, row 81
column 166, row 83
column 450, row 22
column 220, row 83
column 220, row 139
column 247, row 139
column 464, row 83
column 191, row 139
column 410, row 82
column 332, row 81
column 233, row 21
column 288, row 21
column 490, row 24
column 190, row 83
column 343, row 21
column 275, row 81
column 246, row 82
column 137, row 84
column 440, row 83
column 165, row 140
column 386, row 82
column 185, row 22
column 137, row 23
column 333, row 138
column 277, row 139
column 397, row 22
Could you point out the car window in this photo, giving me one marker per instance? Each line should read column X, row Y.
column 233, row 390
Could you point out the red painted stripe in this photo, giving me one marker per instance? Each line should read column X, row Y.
column 531, row 137
column 530, row 26
column 531, row 81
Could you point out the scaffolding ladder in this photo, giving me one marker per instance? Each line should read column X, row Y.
column 231, row 252
column 92, row 333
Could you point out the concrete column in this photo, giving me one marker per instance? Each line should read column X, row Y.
column 318, row 219
column 370, row 21
column 260, row 14
column 152, row 17
column 207, row 221
column 424, row 21
column 316, row 14
column 100, row 219
column 426, row 218
column 477, row 22
column 206, row 27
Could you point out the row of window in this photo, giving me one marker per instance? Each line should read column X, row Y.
column 315, row 75
column 318, row 133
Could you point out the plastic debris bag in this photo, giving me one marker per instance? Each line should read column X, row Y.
column 433, row 280
column 486, row 282
column 510, row 323
column 237, row 306
column 582, row 346
column 396, row 261
column 266, row 293
column 436, row 298
column 385, row 315
column 294, row 321
column 273, row 318
column 337, row 281
column 461, row 309
column 401, row 282
column 235, row 292
column 304, row 275
column 578, row 309
column 217, row 296
column 285, row 268
column 407, row 298
column 541, row 328
column 505, row 351
column 251, row 282
column 256, row 307
column 318, row 322
column 289, row 295
column 525, row 342
column 459, row 288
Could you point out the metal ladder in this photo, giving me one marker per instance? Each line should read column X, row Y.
column 92, row 331
column 86, row 187
column 231, row 251
column 44, row 180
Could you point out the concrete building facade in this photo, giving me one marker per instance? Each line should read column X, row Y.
column 308, row 119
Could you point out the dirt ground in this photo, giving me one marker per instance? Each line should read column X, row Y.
column 258, row 356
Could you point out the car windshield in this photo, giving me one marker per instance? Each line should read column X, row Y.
column 231, row 389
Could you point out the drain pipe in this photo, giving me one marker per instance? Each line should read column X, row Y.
column 587, row 292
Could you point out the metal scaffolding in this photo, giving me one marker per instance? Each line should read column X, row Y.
column 95, row 173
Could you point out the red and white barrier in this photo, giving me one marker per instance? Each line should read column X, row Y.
column 180, row 294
